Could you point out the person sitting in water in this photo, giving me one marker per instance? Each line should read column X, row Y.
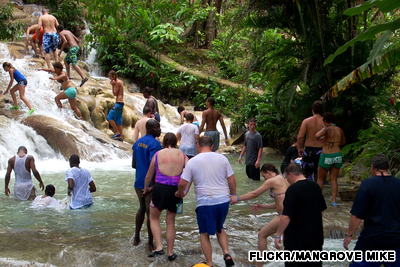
column 46, row 200
column 80, row 185
column 68, row 87
column 277, row 186
column 183, row 112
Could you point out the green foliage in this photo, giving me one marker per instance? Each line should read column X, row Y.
column 9, row 30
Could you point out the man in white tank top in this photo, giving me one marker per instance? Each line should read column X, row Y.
column 22, row 164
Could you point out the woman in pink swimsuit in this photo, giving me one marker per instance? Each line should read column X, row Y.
column 166, row 166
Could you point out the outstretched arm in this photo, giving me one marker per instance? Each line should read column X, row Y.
column 40, row 25
column 11, row 71
column 64, row 43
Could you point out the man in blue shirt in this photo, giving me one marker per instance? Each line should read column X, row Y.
column 143, row 151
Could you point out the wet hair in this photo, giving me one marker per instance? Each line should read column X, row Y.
column 252, row 120
column 180, row 109
column 189, row 117
column 58, row 65
column 269, row 167
column 329, row 117
column 8, row 64
column 211, row 100
column 146, row 110
column 50, row 190
column 74, row 159
column 112, row 74
column 318, row 107
column 205, row 141
column 60, row 27
column 293, row 168
column 148, row 90
column 169, row 140
column 22, row 148
column 151, row 124
column 294, row 139
column 380, row 162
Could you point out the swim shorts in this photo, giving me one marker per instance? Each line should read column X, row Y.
column 164, row 197
column 50, row 42
column 214, row 135
column 327, row 161
column 71, row 92
column 116, row 113
column 253, row 172
column 210, row 219
column 72, row 55
column 40, row 35
column 310, row 161
column 196, row 123
column 23, row 82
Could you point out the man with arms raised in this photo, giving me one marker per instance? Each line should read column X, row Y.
column 50, row 37
column 143, row 152
column 301, row 219
column 71, row 41
column 208, row 171
column 253, row 147
column 378, row 204
column 140, row 126
column 313, row 148
column 210, row 117
column 22, row 164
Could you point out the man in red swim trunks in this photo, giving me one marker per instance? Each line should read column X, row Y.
column 33, row 30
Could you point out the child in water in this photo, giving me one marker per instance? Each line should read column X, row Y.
column 21, row 84
column 47, row 200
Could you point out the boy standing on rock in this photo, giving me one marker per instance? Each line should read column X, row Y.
column 114, row 117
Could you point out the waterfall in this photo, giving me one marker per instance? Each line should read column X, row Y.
column 40, row 92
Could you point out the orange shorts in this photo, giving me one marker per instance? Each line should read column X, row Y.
column 40, row 36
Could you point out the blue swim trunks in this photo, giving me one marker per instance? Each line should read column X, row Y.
column 50, row 42
column 214, row 135
column 116, row 113
column 211, row 218
column 71, row 92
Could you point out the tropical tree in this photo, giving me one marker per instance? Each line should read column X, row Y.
column 8, row 29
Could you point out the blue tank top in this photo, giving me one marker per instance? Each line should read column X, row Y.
column 18, row 76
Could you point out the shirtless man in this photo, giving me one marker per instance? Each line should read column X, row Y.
column 50, row 37
column 114, row 117
column 140, row 126
column 331, row 157
column 313, row 148
column 210, row 117
column 33, row 30
column 72, row 42
column 183, row 112
column 22, row 164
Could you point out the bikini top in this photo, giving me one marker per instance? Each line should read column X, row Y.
column 273, row 195
column 166, row 179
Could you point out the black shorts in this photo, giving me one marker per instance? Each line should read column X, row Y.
column 253, row 172
column 310, row 161
column 164, row 197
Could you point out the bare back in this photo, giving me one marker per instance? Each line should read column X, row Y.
column 279, row 187
column 70, row 38
column 309, row 127
column 334, row 138
column 171, row 161
column 211, row 117
column 140, row 127
column 48, row 22
column 32, row 29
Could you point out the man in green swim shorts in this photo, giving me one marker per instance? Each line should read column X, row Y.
column 331, row 157
column 71, row 41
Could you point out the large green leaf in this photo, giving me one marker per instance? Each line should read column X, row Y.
column 363, row 72
column 383, row 5
column 367, row 35
column 379, row 46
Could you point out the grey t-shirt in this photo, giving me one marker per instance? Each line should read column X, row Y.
column 253, row 142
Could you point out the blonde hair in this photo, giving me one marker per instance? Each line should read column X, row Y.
column 8, row 64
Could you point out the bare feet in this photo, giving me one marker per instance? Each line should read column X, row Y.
column 151, row 247
column 136, row 241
